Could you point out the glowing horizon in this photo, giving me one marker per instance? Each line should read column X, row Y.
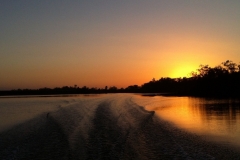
column 97, row 44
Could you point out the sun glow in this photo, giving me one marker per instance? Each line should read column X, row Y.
column 182, row 71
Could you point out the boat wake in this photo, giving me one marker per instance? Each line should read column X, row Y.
column 107, row 127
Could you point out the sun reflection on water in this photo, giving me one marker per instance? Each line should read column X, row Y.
column 218, row 119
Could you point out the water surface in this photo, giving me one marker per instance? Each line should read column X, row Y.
column 116, row 126
column 18, row 109
column 217, row 119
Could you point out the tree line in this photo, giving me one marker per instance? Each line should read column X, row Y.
column 222, row 81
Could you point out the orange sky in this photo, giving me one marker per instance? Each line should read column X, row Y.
column 53, row 44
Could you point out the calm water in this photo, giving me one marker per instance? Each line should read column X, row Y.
column 218, row 120
column 17, row 110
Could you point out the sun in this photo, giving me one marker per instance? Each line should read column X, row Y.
column 182, row 71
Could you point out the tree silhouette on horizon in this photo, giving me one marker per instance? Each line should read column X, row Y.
column 222, row 81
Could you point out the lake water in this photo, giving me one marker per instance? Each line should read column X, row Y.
column 216, row 119
column 17, row 110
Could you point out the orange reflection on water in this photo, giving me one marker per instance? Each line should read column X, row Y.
column 177, row 110
column 218, row 119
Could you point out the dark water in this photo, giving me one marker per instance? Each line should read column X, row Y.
column 217, row 119
column 117, row 126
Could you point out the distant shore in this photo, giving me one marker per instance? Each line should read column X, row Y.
column 10, row 94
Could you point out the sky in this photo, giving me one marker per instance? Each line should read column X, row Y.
column 98, row 43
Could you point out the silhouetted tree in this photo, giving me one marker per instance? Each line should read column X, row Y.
column 222, row 80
